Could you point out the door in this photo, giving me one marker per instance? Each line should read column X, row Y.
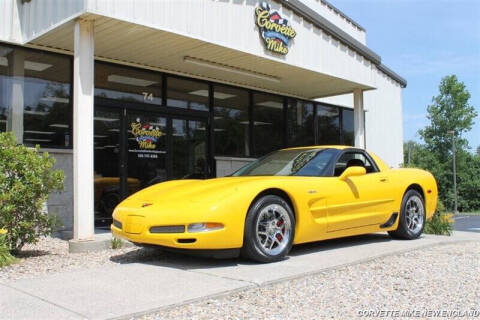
column 189, row 150
column 107, row 194
column 360, row 200
column 135, row 149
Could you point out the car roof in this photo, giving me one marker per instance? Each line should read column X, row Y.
column 338, row 147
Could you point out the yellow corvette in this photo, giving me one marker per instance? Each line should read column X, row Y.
column 288, row 197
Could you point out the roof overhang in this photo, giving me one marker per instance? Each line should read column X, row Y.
column 137, row 45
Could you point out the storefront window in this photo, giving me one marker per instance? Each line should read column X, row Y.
column 187, row 94
column 267, row 123
column 35, row 100
column 328, row 125
column 347, row 127
column 127, row 84
column 231, row 122
column 300, row 123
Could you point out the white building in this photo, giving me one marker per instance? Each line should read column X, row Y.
column 128, row 93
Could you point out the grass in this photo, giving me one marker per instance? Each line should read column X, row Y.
column 116, row 243
column 440, row 224
column 475, row 213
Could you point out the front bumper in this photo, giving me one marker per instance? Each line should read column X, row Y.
column 136, row 229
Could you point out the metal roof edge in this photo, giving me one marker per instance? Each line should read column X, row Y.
column 392, row 74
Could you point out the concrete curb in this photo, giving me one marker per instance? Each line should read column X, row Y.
column 101, row 242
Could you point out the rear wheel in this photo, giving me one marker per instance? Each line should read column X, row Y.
column 269, row 230
column 412, row 216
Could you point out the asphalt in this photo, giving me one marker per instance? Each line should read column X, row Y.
column 467, row 223
column 125, row 290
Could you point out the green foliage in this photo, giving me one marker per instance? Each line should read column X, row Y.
column 116, row 243
column 450, row 111
column 26, row 179
column 440, row 223
column 5, row 257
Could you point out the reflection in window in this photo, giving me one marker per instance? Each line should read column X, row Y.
column 35, row 99
column 231, row 121
column 347, row 127
column 267, row 123
column 300, row 123
column 187, row 94
column 127, row 84
column 328, row 125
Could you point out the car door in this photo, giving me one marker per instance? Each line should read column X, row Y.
column 361, row 200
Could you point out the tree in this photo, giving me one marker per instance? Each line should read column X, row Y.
column 449, row 112
column 478, row 151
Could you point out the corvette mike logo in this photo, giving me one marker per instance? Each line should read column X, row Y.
column 275, row 31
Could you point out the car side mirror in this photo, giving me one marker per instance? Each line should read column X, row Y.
column 352, row 172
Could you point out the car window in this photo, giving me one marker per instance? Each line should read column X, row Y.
column 349, row 159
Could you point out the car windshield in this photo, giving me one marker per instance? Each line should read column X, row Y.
column 296, row 162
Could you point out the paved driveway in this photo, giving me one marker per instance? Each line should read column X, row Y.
column 127, row 289
column 467, row 223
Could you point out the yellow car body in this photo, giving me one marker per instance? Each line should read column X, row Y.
column 324, row 207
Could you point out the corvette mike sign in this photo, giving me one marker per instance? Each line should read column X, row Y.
column 274, row 30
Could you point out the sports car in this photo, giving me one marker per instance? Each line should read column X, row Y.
column 287, row 197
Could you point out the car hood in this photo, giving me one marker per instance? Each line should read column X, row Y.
column 192, row 190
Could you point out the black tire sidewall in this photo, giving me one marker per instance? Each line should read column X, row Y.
column 405, row 231
column 251, row 248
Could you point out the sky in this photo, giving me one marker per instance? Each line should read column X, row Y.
column 423, row 41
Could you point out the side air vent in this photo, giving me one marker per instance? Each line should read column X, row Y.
column 117, row 224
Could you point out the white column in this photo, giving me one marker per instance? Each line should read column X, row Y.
column 358, row 118
column 16, row 62
column 83, row 86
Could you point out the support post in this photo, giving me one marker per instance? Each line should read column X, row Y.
column 16, row 63
column 358, row 118
column 83, row 93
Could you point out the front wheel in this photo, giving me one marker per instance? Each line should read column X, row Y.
column 412, row 216
column 269, row 230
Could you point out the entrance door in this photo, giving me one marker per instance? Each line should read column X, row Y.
column 136, row 149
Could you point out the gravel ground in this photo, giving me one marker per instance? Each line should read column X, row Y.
column 445, row 277
column 50, row 255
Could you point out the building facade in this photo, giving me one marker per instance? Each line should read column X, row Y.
column 125, row 94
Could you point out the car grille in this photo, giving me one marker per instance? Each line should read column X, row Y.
column 117, row 224
column 167, row 229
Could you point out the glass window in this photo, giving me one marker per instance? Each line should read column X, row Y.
column 187, row 94
column 127, row 84
column 347, row 127
column 300, row 123
column 231, row 122
column 328, row 125
column 267, row 123
column 350, row 159
column 36, row 96
column 296, row 162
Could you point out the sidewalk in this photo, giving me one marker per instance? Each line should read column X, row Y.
column 126, row 289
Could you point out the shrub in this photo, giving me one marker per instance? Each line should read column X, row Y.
column 26, row 179
column 5, row 257
column 440, row 223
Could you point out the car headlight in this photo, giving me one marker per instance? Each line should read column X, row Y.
column 203, row 227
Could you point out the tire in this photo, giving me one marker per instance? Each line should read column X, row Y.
column 269, row 230
column 412, row 217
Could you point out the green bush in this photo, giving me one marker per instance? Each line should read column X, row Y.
column 26, row 180
column 5, row 257
column 440, row 223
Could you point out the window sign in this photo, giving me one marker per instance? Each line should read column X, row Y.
column 274, row 30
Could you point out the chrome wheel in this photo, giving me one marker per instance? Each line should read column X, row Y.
column 273, row 229
column 414, row 214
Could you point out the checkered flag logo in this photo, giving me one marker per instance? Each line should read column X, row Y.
column 265, row 6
